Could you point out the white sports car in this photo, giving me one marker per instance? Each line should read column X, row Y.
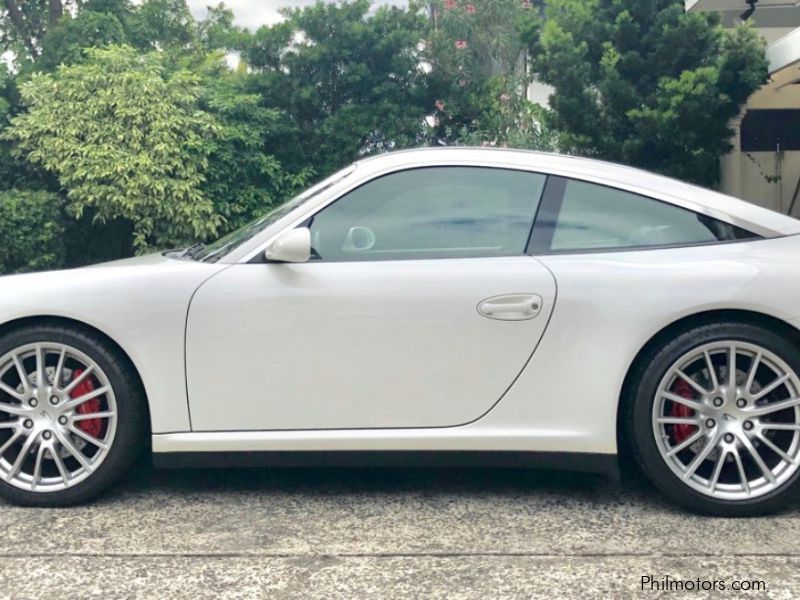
column 438, row 305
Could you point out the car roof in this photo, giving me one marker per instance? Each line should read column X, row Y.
column 727, row 208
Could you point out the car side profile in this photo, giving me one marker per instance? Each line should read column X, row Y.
column 450, row 305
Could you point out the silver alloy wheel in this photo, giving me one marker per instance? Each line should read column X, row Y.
column 726, row 420
column 52, row 397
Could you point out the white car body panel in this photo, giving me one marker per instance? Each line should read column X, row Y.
column 358, row 344
column 139, row 303
column 605, row 307
column 609, row 305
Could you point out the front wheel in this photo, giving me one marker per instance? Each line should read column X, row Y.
column 72, row 415
column 715, row 419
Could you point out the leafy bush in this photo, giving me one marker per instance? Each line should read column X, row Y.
column 126, row 140
column 31, row 230
column 646, row 83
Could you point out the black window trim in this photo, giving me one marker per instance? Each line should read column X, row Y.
column 540, row 241
column 541, row 236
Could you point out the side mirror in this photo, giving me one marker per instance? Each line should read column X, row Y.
column 292, row 246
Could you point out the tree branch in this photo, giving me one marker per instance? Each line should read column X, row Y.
column 56, row 11
column 15, row 15
column 18, row 20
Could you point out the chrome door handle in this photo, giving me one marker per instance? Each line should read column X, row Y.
column 511, row 307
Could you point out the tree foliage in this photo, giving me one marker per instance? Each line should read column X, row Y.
column 31, row 230
column 242, row 178
column 122, row 126
column 478, row 72
column 23, row 24
column 125, row 138
column 349, row 82
column 646, row 83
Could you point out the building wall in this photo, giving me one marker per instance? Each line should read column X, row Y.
column 765, row 178
column 773, row 34
column 743, row 174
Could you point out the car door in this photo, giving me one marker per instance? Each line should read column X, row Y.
column 419, row 308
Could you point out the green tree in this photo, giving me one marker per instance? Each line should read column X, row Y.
column 126, row 140
column 31, row 230
column 179, row 155
column 644, row 82
column 67, row 39
column 45, row 34
column 478, row 72
column 243, row 178
column 23, row 24
column 15, row 172
column 348, row 82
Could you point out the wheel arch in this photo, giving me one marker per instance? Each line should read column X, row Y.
column 14, row 324
column 676, row 327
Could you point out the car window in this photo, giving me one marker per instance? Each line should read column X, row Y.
column 437, row 212
column 595, row 216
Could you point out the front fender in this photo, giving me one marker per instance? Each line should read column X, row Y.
column 141, row 304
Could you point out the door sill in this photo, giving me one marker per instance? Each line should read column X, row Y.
column 585, row 462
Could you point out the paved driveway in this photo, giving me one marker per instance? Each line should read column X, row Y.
column 334, row 533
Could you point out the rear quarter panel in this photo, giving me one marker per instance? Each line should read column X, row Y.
column 610, row 304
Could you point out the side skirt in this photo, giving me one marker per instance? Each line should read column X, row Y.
column 605, row 464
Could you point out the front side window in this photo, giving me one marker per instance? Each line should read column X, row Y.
column 594, row 216
column 436, row 212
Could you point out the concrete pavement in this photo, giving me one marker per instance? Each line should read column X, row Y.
column 333, row 533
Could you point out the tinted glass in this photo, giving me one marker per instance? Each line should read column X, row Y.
column 594, row 216
column 441, row 212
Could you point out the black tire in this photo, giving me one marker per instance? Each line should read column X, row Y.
column 132, row 414
column 638, row 406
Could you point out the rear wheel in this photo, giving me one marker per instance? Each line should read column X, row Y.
column 715, row 419
column 72, row 415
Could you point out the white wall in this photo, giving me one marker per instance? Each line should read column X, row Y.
column 743, row 175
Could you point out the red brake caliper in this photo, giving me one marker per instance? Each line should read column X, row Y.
column 93, row 427
column 682, row 431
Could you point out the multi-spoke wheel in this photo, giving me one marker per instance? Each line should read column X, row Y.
column 716, row 419
column 71, row 415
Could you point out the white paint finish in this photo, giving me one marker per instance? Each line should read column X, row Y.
column 610, row 305
column 140, row 303
column 294, row 246
column 472, row 437
column 358, row 344
column 321, row 327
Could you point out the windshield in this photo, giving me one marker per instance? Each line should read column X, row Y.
column 226, row 244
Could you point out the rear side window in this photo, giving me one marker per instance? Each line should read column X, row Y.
column 594, row 216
